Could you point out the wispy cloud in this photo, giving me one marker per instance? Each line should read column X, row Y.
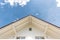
column 22, row 3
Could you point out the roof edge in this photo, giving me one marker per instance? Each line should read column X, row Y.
column 32, row 16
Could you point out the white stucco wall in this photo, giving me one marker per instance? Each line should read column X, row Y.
column 35, row 32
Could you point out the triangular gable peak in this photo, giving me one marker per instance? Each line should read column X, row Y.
column 13, row 28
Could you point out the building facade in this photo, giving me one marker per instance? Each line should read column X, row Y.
column 30, row 27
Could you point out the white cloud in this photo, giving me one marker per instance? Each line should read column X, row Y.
column 14, row 2
column 2, row 3
column 58, row 3
column 37, row 13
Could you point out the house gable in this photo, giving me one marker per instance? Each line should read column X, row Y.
column 15, row 27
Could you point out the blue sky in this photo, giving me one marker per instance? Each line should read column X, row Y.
column 43, row 9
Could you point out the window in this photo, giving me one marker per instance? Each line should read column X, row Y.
column 20, row 37
column 30, row 29
column 39, row 37
column 17, row 37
